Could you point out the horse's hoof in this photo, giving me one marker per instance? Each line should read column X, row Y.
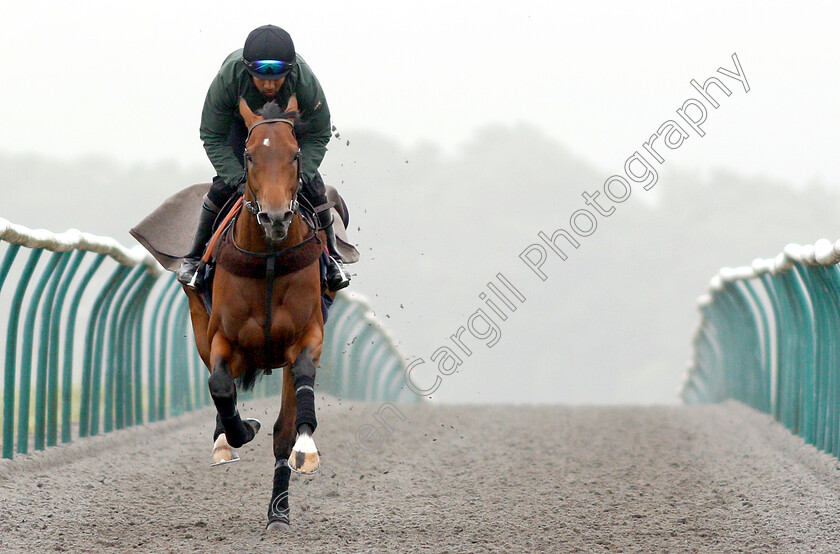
column 223, row 453
column 278, row 525
column 255, row 424
column 304, row 458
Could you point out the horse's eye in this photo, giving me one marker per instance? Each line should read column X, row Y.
column 247, row 157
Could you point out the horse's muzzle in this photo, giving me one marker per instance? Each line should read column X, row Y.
column 275, row 224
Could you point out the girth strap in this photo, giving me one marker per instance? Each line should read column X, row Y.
column 269, row 294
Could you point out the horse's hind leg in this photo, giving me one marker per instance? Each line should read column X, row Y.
column 284, row 439
column 223, row 391
column 200, row 320
column 293, row 444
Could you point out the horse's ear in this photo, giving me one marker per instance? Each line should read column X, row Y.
column 292, row 106
column 249, row 116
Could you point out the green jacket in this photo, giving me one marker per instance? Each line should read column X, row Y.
column 221, row 107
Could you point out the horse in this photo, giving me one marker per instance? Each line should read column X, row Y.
column 266, row 305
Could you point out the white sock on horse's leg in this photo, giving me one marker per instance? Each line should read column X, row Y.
column 305, row 457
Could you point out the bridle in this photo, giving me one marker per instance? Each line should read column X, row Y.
column 253, row 206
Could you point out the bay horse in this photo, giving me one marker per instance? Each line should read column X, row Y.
column 266, row 305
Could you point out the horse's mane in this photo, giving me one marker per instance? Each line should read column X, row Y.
column 272, row 110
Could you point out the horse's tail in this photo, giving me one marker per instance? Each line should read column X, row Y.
column 247, row 380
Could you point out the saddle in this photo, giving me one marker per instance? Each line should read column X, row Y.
column 167, row 232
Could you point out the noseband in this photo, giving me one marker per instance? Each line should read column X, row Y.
column 253, row 206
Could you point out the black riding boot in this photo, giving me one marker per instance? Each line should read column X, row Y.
column 188, row 273
column 337, row 278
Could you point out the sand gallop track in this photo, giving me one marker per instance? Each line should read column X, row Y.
column 449, row 479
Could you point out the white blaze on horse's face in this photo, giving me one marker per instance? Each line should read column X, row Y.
column 273, row 177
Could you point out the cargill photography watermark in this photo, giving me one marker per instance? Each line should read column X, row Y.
column 501, row 296
column 639, row 168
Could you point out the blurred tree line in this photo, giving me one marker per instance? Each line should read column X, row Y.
column 612, row 324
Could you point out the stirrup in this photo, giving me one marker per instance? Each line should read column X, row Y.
column 339, row 278
column 188, row 273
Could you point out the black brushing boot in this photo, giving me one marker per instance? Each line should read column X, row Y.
column 337, row 278
column 278, row 510
column 188, row 273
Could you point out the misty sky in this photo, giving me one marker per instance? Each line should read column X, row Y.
column 128, row 80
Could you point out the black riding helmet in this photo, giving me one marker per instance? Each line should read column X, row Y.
column 269, row 53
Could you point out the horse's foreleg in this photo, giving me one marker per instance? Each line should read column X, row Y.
column 223, row 391
column 222, row 451
column 284, row 439
column 304, row 457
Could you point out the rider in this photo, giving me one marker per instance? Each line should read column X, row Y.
column 266, row 69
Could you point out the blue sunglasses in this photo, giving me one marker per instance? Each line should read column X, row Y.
column 269, row 67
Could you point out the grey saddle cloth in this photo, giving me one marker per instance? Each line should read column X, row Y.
column 167, row 233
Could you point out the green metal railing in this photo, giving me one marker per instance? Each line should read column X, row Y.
column 769, row 336
column 98, row 338
column 361, row 356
